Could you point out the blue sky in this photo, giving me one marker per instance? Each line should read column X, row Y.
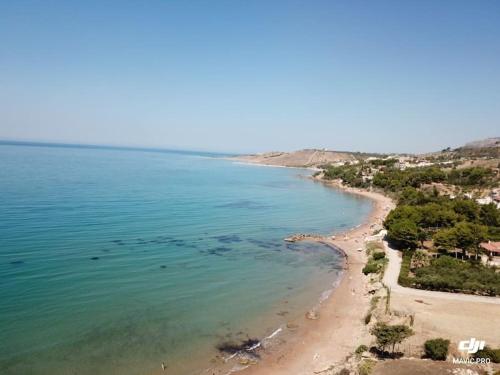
column 245, row 76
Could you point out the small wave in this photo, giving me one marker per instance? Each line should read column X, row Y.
column 325, row 295
column 273, row 334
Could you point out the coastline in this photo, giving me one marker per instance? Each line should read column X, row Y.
column 316, row 343
column 319, row 344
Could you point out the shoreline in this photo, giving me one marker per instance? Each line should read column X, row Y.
column 313, row 344
column 319, row 344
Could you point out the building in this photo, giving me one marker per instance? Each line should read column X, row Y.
column 492, row 250
column 485, row 200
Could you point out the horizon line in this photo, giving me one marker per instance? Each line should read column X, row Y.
column 29, row 143
column 41, row 143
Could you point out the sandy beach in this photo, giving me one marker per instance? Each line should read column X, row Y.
column 321, row 343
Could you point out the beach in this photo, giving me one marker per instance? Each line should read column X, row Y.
column 321, row 343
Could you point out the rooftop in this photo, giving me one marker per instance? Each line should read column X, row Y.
column 494, row 247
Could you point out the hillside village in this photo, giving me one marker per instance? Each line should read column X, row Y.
column 482, row 195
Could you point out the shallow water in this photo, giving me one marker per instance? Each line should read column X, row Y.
column 112, row 261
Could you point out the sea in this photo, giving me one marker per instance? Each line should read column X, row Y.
column 116, row 261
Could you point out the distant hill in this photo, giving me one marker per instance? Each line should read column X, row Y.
column 484, row 143
column 489, row 148
column 486, row 148
column 302, row 158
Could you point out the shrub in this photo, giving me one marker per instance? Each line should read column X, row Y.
column 366, row 367
column 361, row 349
column 437, row 349
column 487, row 352
column 368, row 318
column 378, row 255
column 404, row 279
column 371, row 267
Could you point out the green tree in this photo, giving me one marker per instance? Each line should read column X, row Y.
column 412, row 196
column 404, row 233
column 421, row 236
column 387, row 335
column 445, row 239
column 469, row 236
column 437, row 215
column 466, row 208
column 489, row 215
column 411, row 213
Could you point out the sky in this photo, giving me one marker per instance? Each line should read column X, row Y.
column 251, row 76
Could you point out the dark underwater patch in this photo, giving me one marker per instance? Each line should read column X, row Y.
column 265, row 244
column 162, row 240
column 94, row 258
column 220, row 250
column 247, row 345
column 228, row 238
column 246, row 204
column 17, row 262
column 293, row 247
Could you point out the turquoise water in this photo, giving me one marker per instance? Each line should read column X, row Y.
column 113, row 261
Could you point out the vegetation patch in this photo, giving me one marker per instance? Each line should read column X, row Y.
column 361, row 349
column 366, row 367
column 436, row 349
column 404, row 279
column 487, row 352
column 453, row 275
column 376, row 261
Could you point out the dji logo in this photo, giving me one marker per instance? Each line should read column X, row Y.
column 471, row 346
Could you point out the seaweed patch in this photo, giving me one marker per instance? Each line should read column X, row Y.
column 230, row 238
column 220, row 250
column 249, row 345
column 247, row 204
column 265, row 244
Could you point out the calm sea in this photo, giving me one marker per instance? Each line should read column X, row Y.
column 114, row 261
